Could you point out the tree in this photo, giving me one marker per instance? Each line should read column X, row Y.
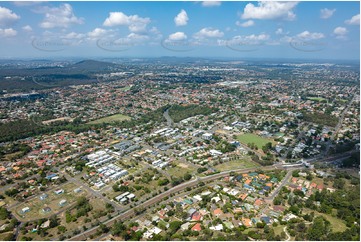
column 339, row 183
column 103, row 228
column 319, row 229
column 295, row 173
column 174, row 226
column 117, row 228
column 187, row 176
column 4, row 213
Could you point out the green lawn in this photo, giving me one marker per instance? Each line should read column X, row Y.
column 337, row 224
column 178, row 171
column 279, row 229
column 125, row 88
column 110, row 119
column 317, row 99
column 235, row 164
column 253, row 138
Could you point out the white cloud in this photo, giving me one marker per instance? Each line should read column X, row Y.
column 208, row 33
column 246, row 24
column 62, row 17
column 306, row 35
column 355, row 20
column 260, row 37
column 340, row 32
column 7, row 17
column 131, row 40
column 211, row 3
column 25, row 3
column 279, row 31
column 27, row 28
column 155, row 34
column 245, row 40
column 270, row 10
column 181, row 19
column 137, row 37
column 8, row 32
column 134, row 22
column 97, row 33
column 327, row 13
column 73, row 35
column 177, row 36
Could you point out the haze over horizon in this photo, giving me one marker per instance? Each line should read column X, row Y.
column 286, row 30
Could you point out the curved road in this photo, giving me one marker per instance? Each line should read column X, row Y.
column 170, row 122
column 160, row 197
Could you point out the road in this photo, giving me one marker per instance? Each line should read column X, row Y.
column 339, row 124
column 288, row 236
column 91, row 191
column 129, row 213
column 170, row 122
column 278, row 189
column 6, row 187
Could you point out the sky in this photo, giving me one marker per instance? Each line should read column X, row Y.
column 300, row 30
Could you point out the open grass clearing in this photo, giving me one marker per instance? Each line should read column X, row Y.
column 110, row 119
column 279, row 229
column 36, row 205
column 317, row 99
column 179, row 171
column 337, row 224
column 127, row 88
column 236, row 164
column 253, row 138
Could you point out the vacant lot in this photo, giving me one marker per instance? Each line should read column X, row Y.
column 253, row 138
column 125, row 88
column 317, row 99
column 337, row 224
column 110, row 119
column 236, row 164
column 179, row 171
column 52, row 201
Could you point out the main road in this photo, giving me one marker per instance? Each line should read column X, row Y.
column 155, row 200
column 130, row 213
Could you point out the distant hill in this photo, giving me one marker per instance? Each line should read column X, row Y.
column 93, row 65
column 85, row 66
column 82, row 72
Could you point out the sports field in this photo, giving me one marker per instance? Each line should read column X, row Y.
column 253, row 138
column 236, row 164
column 110, row 119
column 317, row 99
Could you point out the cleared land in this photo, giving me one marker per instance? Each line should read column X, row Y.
column 52, row 201
column 110, row 119
column 235, row 164
column 337, row 224
column 179, row 171
column 317, row 99
column 253, row 138
column 126, row 88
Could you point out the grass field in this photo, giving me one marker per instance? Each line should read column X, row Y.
column 110, row 119
column 317, row 99
column 125, row 88
column 36, row 205
column 236, row 164
column 279, row 229
column 337, row 225
column 253, row 138
column 178, row 171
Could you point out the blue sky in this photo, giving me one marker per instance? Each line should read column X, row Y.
column 307, row 30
